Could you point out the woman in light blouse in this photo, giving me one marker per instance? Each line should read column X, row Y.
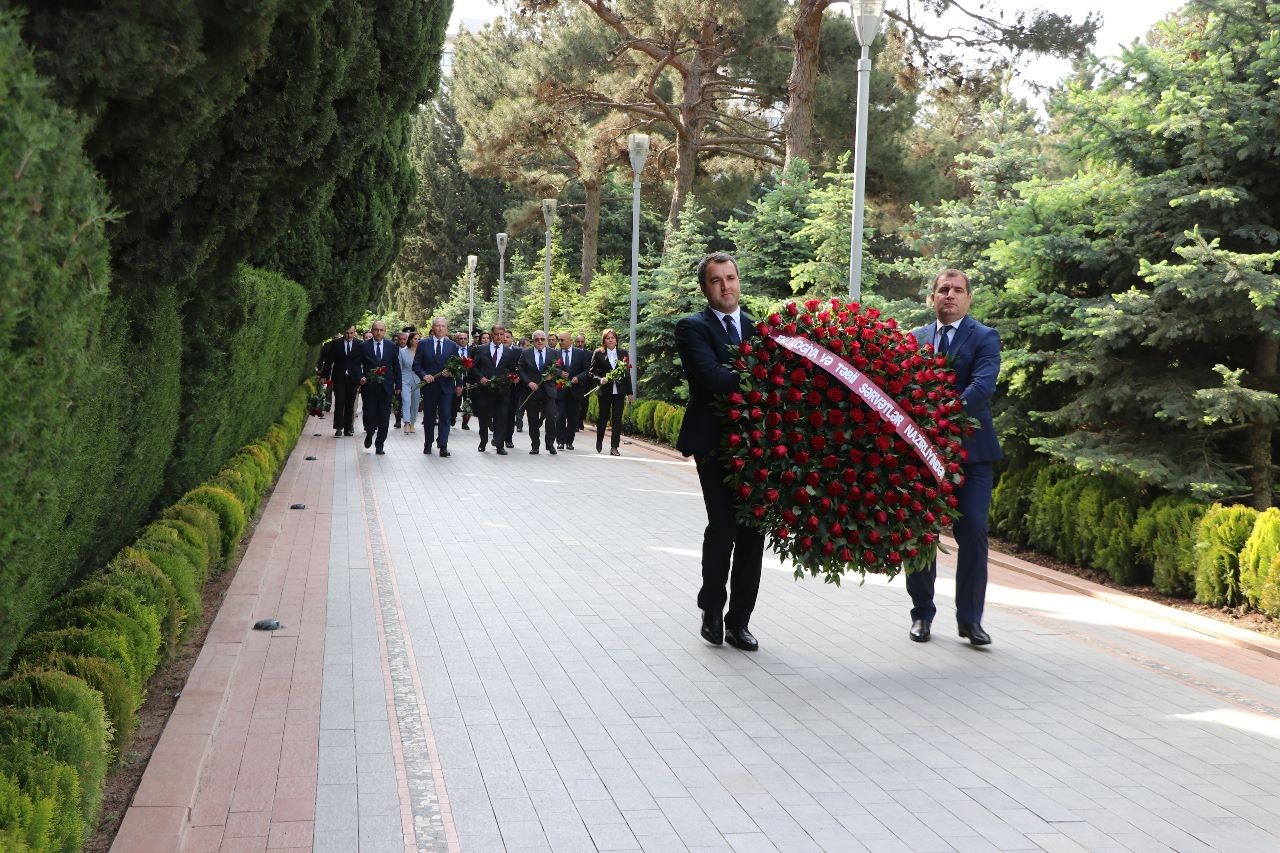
column 613, row 395
column 410, row 393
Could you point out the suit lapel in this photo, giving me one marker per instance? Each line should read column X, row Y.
column 961, row 335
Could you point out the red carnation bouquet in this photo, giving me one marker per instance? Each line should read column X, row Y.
column 844, row 442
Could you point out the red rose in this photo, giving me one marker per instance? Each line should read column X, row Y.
column 775, row 320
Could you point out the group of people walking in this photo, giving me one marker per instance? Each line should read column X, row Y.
column 443, row 376
column 550, row 384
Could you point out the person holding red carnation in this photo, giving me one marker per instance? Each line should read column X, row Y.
column 972, row 350
column 703, row 340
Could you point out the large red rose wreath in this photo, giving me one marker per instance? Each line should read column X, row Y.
column 844, row 442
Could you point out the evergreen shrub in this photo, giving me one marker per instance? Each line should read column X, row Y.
column 1220, row 537
column 1011, row 502
column 1258, row 553
column 132, row 570
column 1164, row 538
column 119, row 700
column 60, row 824
column 673, row 428
column 41, row 737
column 206, row 522
column 230, row 512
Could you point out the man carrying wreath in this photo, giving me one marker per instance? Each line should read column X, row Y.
column 703, row 340
column 972, row 350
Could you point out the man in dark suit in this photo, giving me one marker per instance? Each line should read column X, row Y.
column 493, row 361
column 576, row 367
column 324, row 367
column 973, row 351
column 380, row 391
column 704, row 340
column 541, row 407
column 438, row 394
column 345, row 367
column 517, row 394
column 460, row 393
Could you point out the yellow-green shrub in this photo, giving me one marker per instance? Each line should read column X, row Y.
column 1219, row 540
column 1258, row 553
column 1164, row 538
column 230, row 512
column 205, row 522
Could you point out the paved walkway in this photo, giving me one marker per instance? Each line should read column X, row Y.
column 486, row 653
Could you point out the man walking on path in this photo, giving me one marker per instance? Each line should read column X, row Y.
column 345, row 368
column 704, row 340
column 382, row 385
column 973, row 352
column 541, row 405
column 438, row 395
column 576, row 367
column 493, row 362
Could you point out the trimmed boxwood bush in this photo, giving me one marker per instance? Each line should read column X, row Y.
column 65, row 738
column 1164, row 538
column 673, row 428
column 119, row 700
column 205, row 521
column 1011, row 502
column 132, row 570
column 26, row 822
column 1219, row 540
column 174, row 536
column 52, row 782
column 230, row 512
column 1258, row 553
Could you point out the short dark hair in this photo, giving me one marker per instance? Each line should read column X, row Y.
column 950, row 272
column 713, row 258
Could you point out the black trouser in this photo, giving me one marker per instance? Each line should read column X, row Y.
column 458, row 400
column 493, row 415
column 610, row 413
column 727, row 538
column 540, row 412
column 567, row 416
column 377, row 413
column 344, row 403
column 518, row 394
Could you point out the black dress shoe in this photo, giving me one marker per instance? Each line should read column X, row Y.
column 511, row 444
column 464, row 426
column 368, row 439
column 427, row 450
column 613, row 451
column 533, row 451
column 599, row 445
column 569, row 446
column 975, row 634
column 380, row 452
column 740, row 638
column 919, row 631
column 348, row 433
column 482, row 446
column 712, row 627
column 502, row 451
column 551, row 450
column 444, row 453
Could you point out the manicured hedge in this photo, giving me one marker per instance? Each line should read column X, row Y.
column 652, row 419
column 81, row 674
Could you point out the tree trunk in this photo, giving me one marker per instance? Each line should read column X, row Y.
column 702, row 69
column 1259, row 439
column 590, row 233
column 798, row 122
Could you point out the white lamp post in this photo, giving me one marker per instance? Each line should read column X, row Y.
column 638, row 147
column 471, row 294
column 549, row 217
column 866, row 24
column 502, row 270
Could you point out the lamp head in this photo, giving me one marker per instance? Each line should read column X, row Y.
column 471, row 263
column 867, row 15
column 638, row 147
column 549, row 212
column 502, row 244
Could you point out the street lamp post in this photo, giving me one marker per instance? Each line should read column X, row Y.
column 638, row 147
column 549, row 217
column 866, row 24
column 502, row 270
column 471, row 295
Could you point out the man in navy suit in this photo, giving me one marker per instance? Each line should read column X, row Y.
column 973, row 352
column 493, row 362
column 438, row 394
column 380, row 391
column 576, row 367
column 345, row 366
column 704, row 340
column 541, row 408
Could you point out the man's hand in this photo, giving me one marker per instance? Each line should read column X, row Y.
column 533, row 386
column 573, row 381
column 446, row 373
column 458, row 391
column 428, row 379
column 484, row 380
column 363, row 380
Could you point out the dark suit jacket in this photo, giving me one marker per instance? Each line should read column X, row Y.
column 578, row 367
column 343, row 366
column 529, row 373
column 484, row 366
column 390, row 382
column 600, row 366
column 425, row 362
column 975, row 356
column 703, row 345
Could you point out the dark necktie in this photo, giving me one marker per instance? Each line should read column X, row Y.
column 941, row 348
column 732, row 329
column 377, row 348
column 539, row 361
column 437, row 347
